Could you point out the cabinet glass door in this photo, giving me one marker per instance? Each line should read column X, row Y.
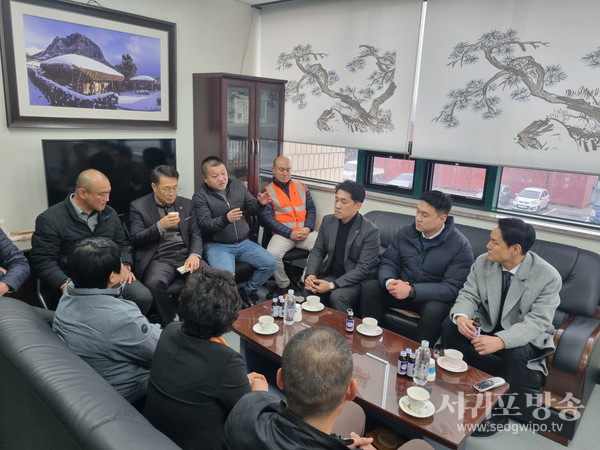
column 269, row 125
column 238, row 132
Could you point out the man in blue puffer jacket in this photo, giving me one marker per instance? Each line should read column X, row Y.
column 423, row 268
column 14, row 268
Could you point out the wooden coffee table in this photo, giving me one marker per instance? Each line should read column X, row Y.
column 458, row 407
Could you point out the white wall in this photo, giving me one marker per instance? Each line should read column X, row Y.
column 212, row 36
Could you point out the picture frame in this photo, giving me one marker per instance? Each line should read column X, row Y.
column 74, row 65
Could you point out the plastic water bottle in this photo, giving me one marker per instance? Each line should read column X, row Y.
column 422, row 363
column 290, row 308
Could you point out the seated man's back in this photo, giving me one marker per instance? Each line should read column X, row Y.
column 262, row 420
column 106, row 331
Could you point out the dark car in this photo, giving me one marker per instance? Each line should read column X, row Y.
column 595, row 212
column 504, row 196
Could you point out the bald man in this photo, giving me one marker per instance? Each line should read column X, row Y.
column 290, row 216
column 82, row 214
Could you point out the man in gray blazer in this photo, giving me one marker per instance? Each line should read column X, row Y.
column 346, row 251
column 514, row 293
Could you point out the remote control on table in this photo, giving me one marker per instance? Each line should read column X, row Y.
column 488, row 384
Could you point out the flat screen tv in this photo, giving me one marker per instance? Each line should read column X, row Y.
column 126, row 162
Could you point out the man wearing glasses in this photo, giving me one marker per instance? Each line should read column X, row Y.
column 83, row 214
column 165, row 237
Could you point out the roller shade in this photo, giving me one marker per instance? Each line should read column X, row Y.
column 512, row 83
column 350, row 66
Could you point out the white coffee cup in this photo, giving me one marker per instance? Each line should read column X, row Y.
column 174, row 212
column 453, row 357
column 313, row 300
column 369, row 324
column 417, row 396
column 266, row 323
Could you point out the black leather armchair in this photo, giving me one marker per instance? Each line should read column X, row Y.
column 50, row 398
column 575, row 366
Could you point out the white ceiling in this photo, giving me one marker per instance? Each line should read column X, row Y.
column 259, row 2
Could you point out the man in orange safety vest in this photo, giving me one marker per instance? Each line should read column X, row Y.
column 291, row 217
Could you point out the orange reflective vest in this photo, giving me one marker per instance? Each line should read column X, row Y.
column 290, row 211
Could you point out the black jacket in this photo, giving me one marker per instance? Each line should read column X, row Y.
column 194, row 384
column 438, row 272
column 211, row 212
column 360, row 258
column 261, row 421
column 56, row 231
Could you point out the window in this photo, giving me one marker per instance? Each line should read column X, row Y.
column 322, row 162
column 463, row 181
column 558, row 196
column 391, row 172
column 561, row 195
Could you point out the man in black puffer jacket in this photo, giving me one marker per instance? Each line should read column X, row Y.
column 423, row 268
column 82, row 214
column 219, row 205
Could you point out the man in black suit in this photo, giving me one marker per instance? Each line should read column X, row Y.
column 165, row 237
column 346, row 251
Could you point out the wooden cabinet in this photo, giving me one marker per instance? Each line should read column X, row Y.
column 239, row 119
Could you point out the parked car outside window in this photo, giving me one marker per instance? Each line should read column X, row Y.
column 531, row 199
column 404, row 180
column 504, row 197
column 595, row 212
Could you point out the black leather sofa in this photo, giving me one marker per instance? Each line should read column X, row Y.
column 574, row 368
column 51, row 399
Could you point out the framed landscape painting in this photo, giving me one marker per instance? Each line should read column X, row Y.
column 72, row 65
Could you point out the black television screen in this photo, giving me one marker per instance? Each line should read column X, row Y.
column 126, row 162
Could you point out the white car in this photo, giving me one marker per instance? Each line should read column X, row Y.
column 404, row 180
column 350, row 169
column 531, row 199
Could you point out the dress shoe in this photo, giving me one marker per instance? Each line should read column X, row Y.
column 245, row 300
column 252, row 298
column 298, row 286
column 490, row 426
column 277, row 291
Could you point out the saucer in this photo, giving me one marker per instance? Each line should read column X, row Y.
column 258, row 329
column 427, row 411
column 442, row 363
column 362, row 330
column 307, row 307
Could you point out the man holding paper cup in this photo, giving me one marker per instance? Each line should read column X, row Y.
column 165, row 237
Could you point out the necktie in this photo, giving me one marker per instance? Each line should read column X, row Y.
column 506, row 279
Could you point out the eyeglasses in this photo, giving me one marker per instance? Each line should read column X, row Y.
column 169, row 190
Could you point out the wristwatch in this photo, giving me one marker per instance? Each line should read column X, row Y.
column 412, row 292
column 331, row 285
